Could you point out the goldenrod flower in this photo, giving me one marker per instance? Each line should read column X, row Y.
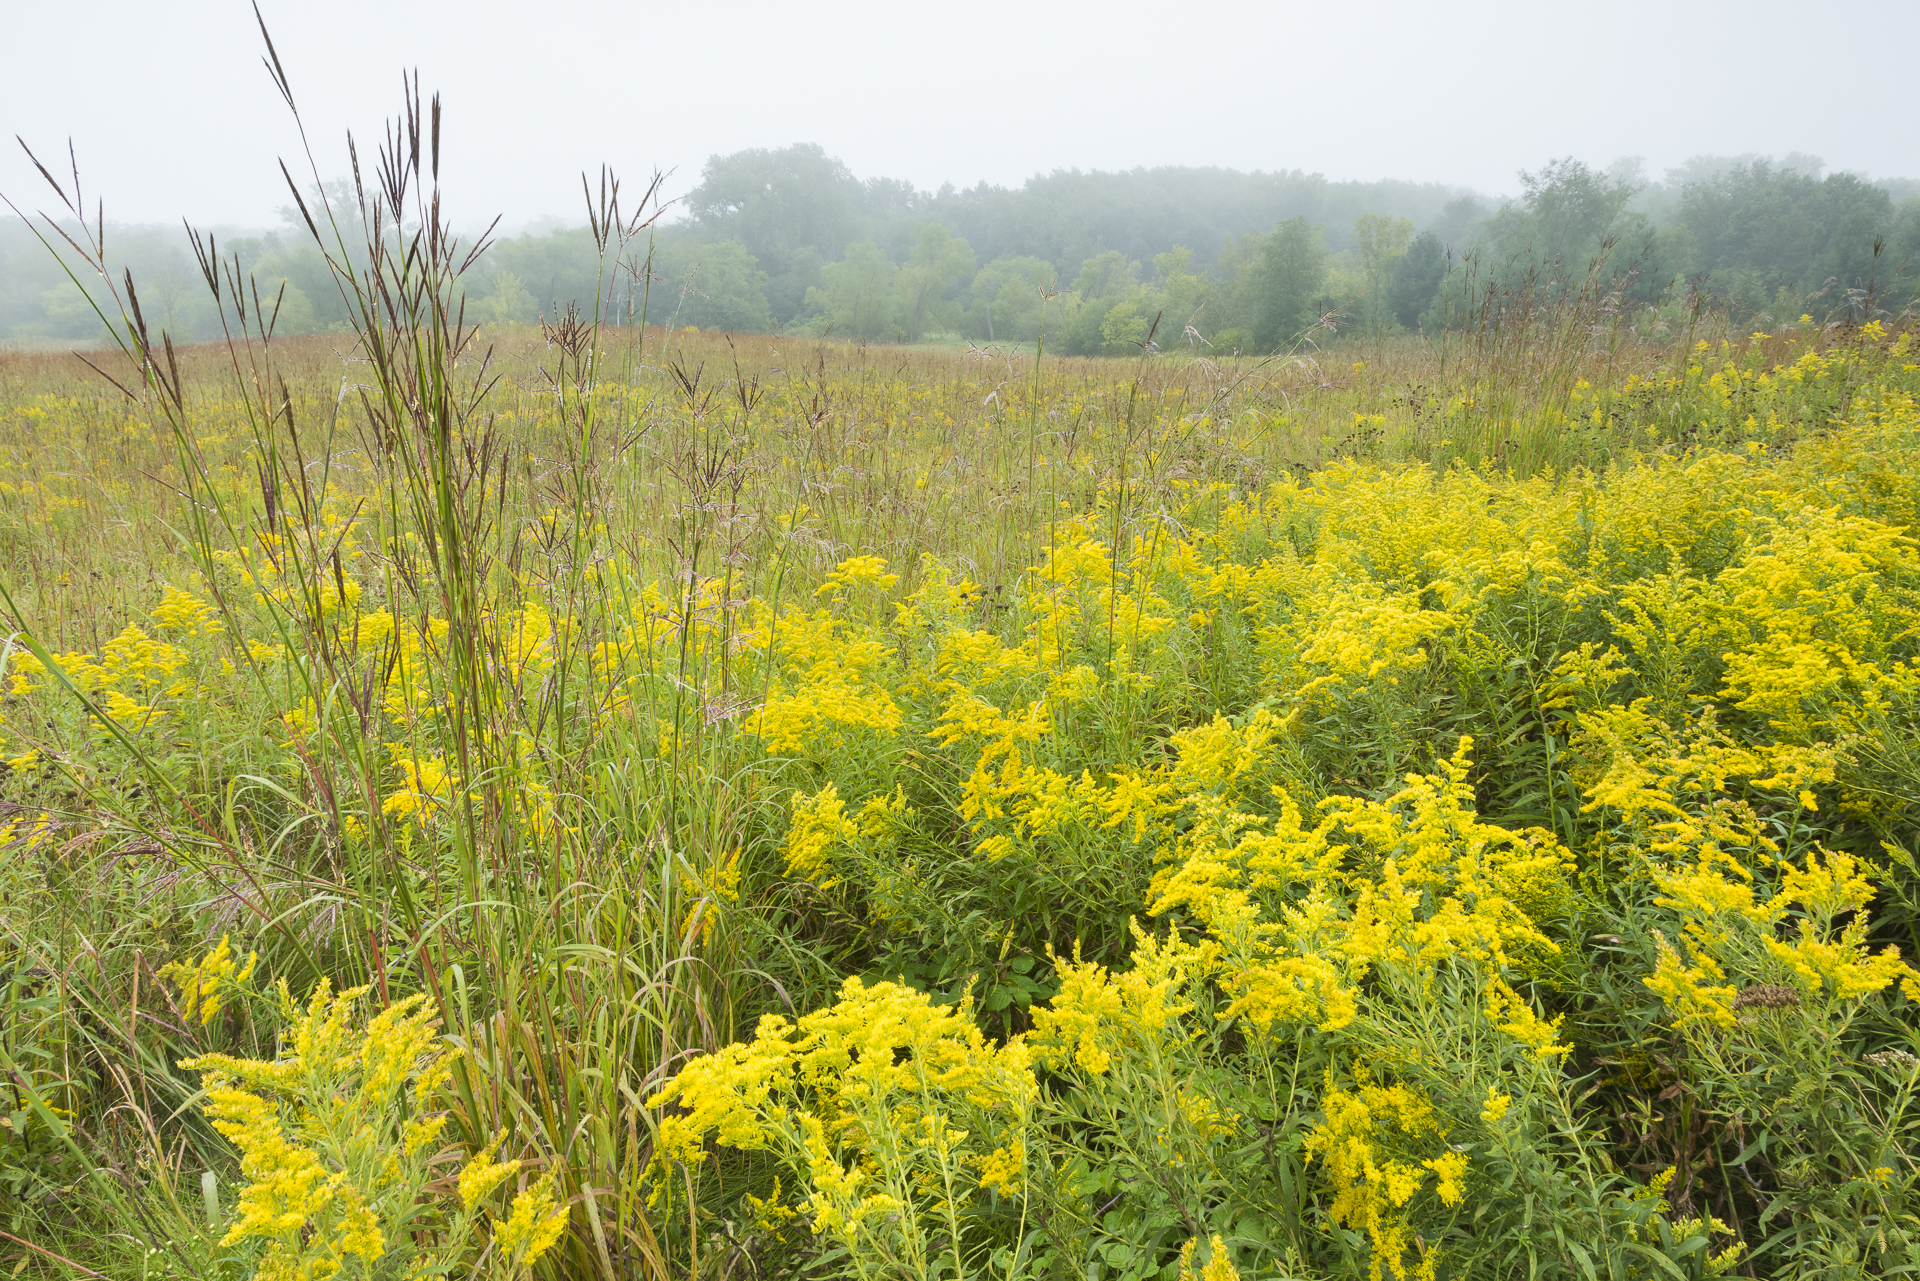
column 482, row 1174
column 534, row 1222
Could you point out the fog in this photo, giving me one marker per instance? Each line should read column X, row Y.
column 173, row 116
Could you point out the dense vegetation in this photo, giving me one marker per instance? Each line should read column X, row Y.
column 602, row 801
column 790, row 241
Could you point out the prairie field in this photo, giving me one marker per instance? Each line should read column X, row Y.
column 578, row 801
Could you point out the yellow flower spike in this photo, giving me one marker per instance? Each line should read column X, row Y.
column 1219, row 1265
column 204, row 984
column 534, row 1222
column 1099, row 1014
column 1372, row 1188
column 359, row 1231
column 433, row 1076
column 1827, row 887
column 1003, row 1170
column 771, row 1214
column 185, row 613
column 1691, row 997
column 482, row 1174
column 422, row 1132
column 287, row 1184
column 429, row 784
column 858, row 571
column 1844, row 966
column 1513, row 1015
column 399, row 1043
column 819, row 825
column 1451, row 1168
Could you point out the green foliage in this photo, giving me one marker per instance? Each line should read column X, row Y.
column 1416, row 279
column 711, row 286
column 1285, row 282
column 787, row 207
column 856, row 297
column 510, row 303
column 1381, row 243
column 555, row 269
column 1566, row 214
column 1006, row 299
column 937, row 263
column 1756, row 229
column 1123, row 329
column 1111, row 275
column 1769, row 241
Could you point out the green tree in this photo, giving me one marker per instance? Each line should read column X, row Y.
column 1459, row 221
column 1183, row 294
column 1573, row 226
column 1286, row 282
column 1416, row 278
column 787, row 290
column 1381, row 241
column 1759, row 230
column 1903, row 251
column 714, row 285
column 937, row 262
column 1124, row 328
column 1236, row 301
column 1005, row 299
column 65, row 313
column 1567, row 214
column 1107, row 275
column 1573, row 207
column 777, row 202
column 556, row 268
column 856, row 294
column 296, row 314
column 510, row 303
column 1104, row 282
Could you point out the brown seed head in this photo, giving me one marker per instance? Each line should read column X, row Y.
column 1767, row 996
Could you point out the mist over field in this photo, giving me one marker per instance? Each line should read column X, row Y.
column 803, row 161
column 790, row 240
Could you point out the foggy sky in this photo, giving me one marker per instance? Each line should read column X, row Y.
column 173, row 116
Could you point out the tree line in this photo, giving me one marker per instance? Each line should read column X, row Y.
column 789, row 240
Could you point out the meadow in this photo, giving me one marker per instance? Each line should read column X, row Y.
column 581, row 801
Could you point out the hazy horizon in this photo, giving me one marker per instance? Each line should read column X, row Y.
column 933, row 98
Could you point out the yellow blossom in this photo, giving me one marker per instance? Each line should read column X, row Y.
column 534, row 1222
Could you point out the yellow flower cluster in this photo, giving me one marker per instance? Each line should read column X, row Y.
column 1389, row 890
column 203, row 985
column 1371, row 1189
column 339, row 1138
column 893, row 1110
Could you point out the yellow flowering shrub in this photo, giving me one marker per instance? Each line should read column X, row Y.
column 1371, row 1187
column 340, row 1141
column 205, row 985
column 894, row 1114
column 1197, row 849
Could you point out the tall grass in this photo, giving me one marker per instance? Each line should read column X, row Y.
column 581, row 913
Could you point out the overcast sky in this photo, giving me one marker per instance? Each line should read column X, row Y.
column 173, row 116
